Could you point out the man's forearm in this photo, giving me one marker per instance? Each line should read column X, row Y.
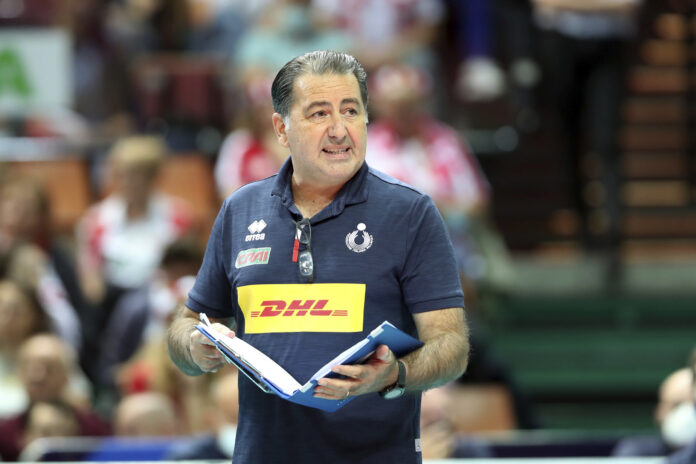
column 443, row 358
column 178, row 343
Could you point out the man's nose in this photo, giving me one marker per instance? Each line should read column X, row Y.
column 36, row 371
column 337, row 130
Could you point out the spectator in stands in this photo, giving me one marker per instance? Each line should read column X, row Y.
column 251, row 151
column 479, row 76
column 584, row 49
column 29, row 253
column 216, row 27
column 141, row 316
column 675, row 392
column 21, row 316
column 152, row 305
column 386, row 31
column 685, row 420
column 121, row 239
column 24, row 207
column 219, row 444
column 50, row 419
column 149, row 414
column 100, row 84
column 47, row 367
column 286, row 29
column 409, row 144
column 209, row 27
column 151, row 369
column 439, row 437
column 137, row 27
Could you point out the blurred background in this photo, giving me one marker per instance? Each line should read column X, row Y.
column 555, row 136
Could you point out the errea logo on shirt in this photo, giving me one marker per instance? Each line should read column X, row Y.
column 255, row 229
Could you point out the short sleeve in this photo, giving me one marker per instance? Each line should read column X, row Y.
column 212, row 292
column 430, row 279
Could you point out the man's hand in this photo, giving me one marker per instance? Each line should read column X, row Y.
column 204, row 353
column 189, row 349
column 379, row 371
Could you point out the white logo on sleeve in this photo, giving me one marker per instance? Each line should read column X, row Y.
column 364, row 244
column 255, row 229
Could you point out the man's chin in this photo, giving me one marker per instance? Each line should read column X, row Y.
column 342, row 173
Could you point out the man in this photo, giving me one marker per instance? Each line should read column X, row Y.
column 674, row 392
column 584, row 51
column 146, row 414
column 121, row 239
column 49, row 419
column 336, row 248
column 47, row 368
column 224, row 415
column 687, row 420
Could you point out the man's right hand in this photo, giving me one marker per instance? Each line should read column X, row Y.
column 203, row 351
column 189, row 349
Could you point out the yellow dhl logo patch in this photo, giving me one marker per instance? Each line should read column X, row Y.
column 274, row 308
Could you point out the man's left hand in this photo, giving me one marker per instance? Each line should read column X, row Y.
column 379, row 371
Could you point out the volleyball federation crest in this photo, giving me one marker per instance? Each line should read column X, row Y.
column 364, row 244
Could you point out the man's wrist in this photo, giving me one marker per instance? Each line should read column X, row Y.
column 393, row 376
column 398, row 387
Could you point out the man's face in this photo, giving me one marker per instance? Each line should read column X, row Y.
column 326, row 130
column 19, row 211
column 133, row 182
column 42, row 368
column 17, row 318
column 674, row 391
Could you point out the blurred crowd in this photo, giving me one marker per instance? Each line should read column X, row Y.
column 83, row 312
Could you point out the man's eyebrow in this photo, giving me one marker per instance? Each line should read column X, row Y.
column 322, row 103
column 354, row 101
column 317, row 103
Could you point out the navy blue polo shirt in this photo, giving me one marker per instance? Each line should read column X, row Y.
column 381, row 252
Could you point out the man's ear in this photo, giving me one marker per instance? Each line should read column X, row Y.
column 280, row 130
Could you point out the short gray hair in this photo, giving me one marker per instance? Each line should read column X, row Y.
column 318, row 62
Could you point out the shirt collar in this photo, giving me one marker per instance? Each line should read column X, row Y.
column 354, row 191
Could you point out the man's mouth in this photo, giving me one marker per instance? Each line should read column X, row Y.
column 336, row 151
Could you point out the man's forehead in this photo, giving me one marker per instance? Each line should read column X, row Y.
column 677, row 385
column 310, row 87
column 43, row 357
column 45, row 351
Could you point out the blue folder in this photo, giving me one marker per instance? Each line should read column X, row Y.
column 385, row 334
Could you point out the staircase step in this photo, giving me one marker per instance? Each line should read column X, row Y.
column 635, row 137
column 656, row 193
column 663, row 249
column 660, row 80
column 655, row 110
column 647, row 165
column 671, row 26
column 659, row 225
column 664, row 53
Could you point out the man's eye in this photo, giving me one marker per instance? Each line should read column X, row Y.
column 352, row 111
column 319, row 114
